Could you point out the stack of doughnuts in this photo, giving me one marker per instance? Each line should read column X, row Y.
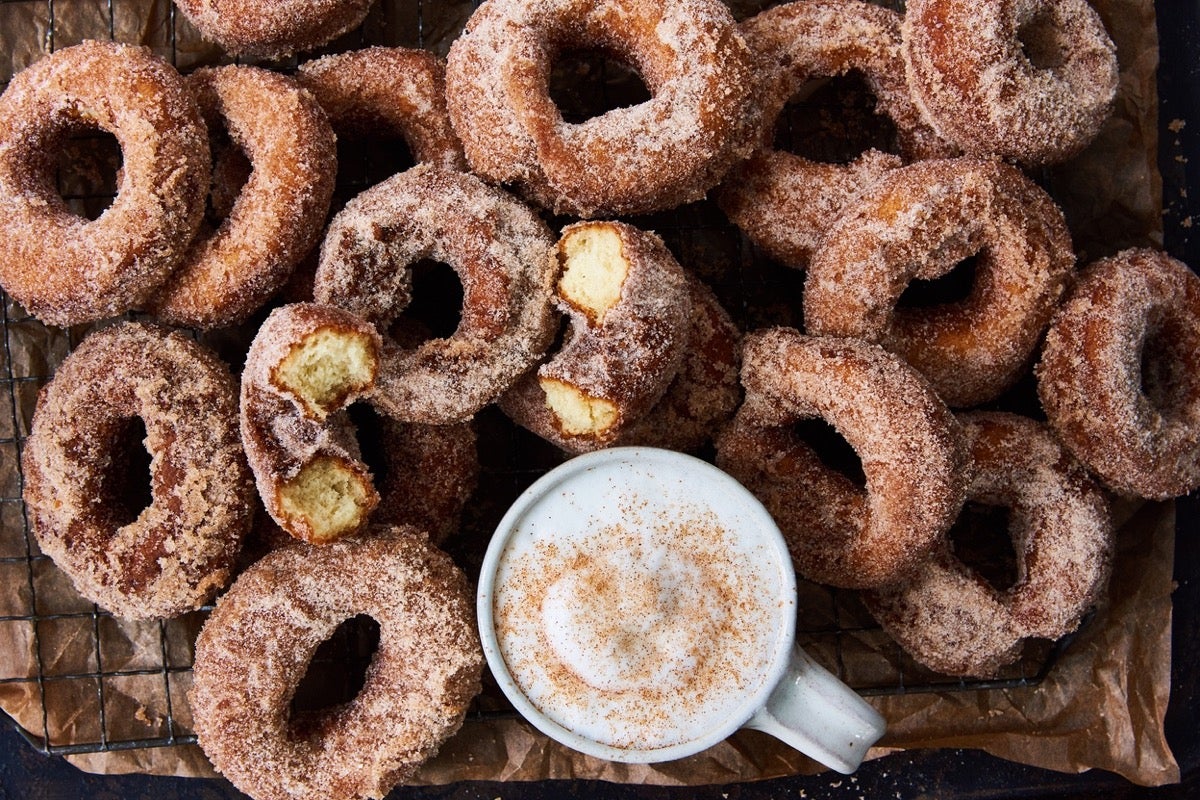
column 586, row 330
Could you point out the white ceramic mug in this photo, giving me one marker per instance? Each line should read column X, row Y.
column 639, row 605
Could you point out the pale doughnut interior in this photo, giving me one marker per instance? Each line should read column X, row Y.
column 326, row 367
column 594, row 270
column 578, row 413
column 330, row 498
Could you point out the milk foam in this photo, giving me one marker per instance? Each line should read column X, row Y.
column 639, row 611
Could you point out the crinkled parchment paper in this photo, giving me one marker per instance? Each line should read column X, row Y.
column 1101, row 706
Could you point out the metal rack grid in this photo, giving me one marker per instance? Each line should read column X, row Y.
column 833, row 627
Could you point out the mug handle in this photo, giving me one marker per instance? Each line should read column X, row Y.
column 814, row 712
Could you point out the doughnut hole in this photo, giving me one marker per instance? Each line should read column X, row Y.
column 231, row 171
column 950, row 288
column 88, row 171
column 329, row 497
column 586, row 83
column 128, row 491
column 834, row 121
column 1170, row 365
column 981, row 538
column 831, row 448
column 437, row 300
column 337, row 671
column 326, row 367
column 594, row 270
column 1041, row 39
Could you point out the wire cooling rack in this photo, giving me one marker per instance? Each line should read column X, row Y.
column 103, row 684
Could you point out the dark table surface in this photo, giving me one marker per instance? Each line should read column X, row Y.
column 27, row 774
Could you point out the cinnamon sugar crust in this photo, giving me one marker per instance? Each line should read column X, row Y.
column 275, row 29
column 177, row 552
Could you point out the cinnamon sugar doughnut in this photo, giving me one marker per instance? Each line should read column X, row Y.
column 503, row 255
column 387, row 91
column 905, row 437
column 307, row 363
column 628, row 303
column 705, row 391
column 650, row 156
column 274, row 29
column 172, row 556
column 62, row 267
column 277, row 217
column 782, row 201
column 1029, row 80
column 1119, row 376
column 951, row 619
column 919, row 222
column 256, row 647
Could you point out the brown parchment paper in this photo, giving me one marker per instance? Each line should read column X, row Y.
column 1101, row 706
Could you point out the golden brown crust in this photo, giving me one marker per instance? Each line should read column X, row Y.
column 951, row 619
column 503, row 254
column 1133, row 419
column 424, row 673
column 273, row 29
column 390, row 92
column 287, row 437
column 783, row 201
column 178, row 551
column 919, row 222
column 907, row 440
column 276, row 218
column 66, row 269
column 1028, row 80
column 621, row 358
column 654, row 155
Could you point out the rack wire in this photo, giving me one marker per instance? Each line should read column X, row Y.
column 124, row 683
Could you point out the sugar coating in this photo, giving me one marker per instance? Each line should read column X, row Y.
column 1119, row 375
column 903, row 433
column 644, row 633
column 63, row 268
column 658, row 154
column 784, row 202
column 276, row 218
column 503, row 254
column 387, row 92
column 921, row 221
column 256, row 647
column 275, row 29
column 952, row 620
column 181, row 548
column 629, row 316
column 1027, row 80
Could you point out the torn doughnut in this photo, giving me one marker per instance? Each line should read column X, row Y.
column 307, row 363
column 629, row 306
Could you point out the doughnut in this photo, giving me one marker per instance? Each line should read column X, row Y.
column 1119, row 375
column 629, row 306
column 275, row 29
column 1029, row 81
column 954, row 621
column 908, row 442
column 63, row 268
column 650, row 156
column 387, row 91
column 919, row 222
column 256, row 646
column 172, row 556
column 504, row 257
column 306, row 365
column 705, row 391
column 229, row 272
column 783, row 202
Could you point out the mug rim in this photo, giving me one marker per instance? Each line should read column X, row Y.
column 784, row 638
